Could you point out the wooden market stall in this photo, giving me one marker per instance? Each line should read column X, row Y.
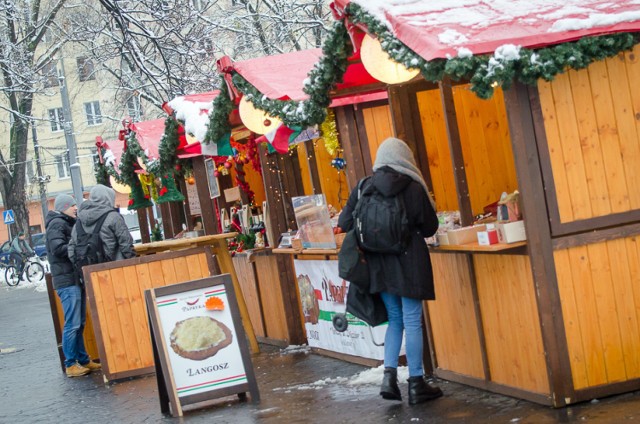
column 556, row 320
column 268, row 281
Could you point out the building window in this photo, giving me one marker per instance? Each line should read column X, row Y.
column 92, row 110
column 62, row 163
column 50, row 73
column 85, row 69
column 56, row 118
column 134, row 108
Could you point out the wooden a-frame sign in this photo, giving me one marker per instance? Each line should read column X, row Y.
column 200, row 353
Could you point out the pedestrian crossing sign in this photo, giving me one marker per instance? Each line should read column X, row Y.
column 8, row 216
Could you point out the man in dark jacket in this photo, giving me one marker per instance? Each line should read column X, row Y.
column 117, row 242
column 403, row 280
column 59, row 223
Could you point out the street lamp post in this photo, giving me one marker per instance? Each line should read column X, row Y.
column 74, row 166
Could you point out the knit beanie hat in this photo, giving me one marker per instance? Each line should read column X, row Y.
column 395, row 154
column 63, row 202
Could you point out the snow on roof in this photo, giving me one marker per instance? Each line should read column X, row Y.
column 440, row 28
column 193, row 110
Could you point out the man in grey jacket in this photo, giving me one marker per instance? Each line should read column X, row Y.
column 117, row 242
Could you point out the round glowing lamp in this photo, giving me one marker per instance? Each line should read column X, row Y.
column 120, row 188
column 256, row 120
column 378, row 63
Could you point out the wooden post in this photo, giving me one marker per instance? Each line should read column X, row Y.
column 348, row 134
column 209, row 218
column 279, row 223
column 526, row 126
column 455, row 146
column 167, row 225
column 143, row 222
column 313, row 167
column 182, row 185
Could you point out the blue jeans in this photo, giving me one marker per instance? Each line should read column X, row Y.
column 405, row 314
column 74, row 305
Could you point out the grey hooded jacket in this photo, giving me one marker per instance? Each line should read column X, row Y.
column 117, row 242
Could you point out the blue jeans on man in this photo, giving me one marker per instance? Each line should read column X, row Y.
column 74, row 306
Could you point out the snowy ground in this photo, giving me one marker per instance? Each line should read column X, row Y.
column 39, row 286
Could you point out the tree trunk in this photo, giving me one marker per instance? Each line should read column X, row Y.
column 13, row 176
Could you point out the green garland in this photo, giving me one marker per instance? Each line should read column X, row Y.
column 128, row 175
column 167, row 150
column 100, row 170
column 484, row 72
column 321, row 80
column 219, row 117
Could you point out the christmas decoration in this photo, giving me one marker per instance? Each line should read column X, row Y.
column 338, row 163
column 329, row 131
column 100, row 170
column 486, row 72
column 322, row 78
column 219, row 116
column 280, row 138
column 128, row 174
column 169, row 192
column 242, row 183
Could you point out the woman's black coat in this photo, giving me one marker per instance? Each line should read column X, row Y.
column 408, row 274
column 59, row 228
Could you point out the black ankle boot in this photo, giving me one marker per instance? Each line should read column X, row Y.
column 389, row 389
column 420, row 391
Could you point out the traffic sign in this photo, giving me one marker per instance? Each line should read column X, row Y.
column 8, row 216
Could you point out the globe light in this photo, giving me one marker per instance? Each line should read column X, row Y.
column 256, row 120
column 120, row 188
column 378, row 63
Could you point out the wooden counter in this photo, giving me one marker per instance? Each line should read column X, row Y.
column 263, row 288
column 218, row 243
column 477, row 248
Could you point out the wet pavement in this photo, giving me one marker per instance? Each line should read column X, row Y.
column 296, row 386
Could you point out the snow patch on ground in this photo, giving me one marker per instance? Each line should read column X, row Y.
column 371, row 376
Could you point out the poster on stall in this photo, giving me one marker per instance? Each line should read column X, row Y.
column 323, row 294
column 199, row 338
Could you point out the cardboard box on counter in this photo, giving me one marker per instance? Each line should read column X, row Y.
column 487, row 238
column 443, row 239
column 511, row 232
column 465, row 235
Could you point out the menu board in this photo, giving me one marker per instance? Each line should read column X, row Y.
column 200, row 341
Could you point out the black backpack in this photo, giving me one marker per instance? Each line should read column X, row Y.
column 381, row 222
column 89, row 249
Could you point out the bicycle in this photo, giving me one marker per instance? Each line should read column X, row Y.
column 33, row 269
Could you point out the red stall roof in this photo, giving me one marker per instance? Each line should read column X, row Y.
column 282, row 76
column 149, row 134
column 442, row 28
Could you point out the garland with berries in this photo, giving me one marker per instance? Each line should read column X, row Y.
column 485, row 72
column 219, row 117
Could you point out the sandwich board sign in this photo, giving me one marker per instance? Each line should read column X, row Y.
column 199, row 345
column 8, row 216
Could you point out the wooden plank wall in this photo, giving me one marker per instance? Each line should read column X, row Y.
column 250, row 291
column 486, row 147
column 438, row 152
column 510, row 320
column 333, row 184
column 600, row 288
column 593, row 135
column 454, row 328
column 116, row 294
column 378, row 126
